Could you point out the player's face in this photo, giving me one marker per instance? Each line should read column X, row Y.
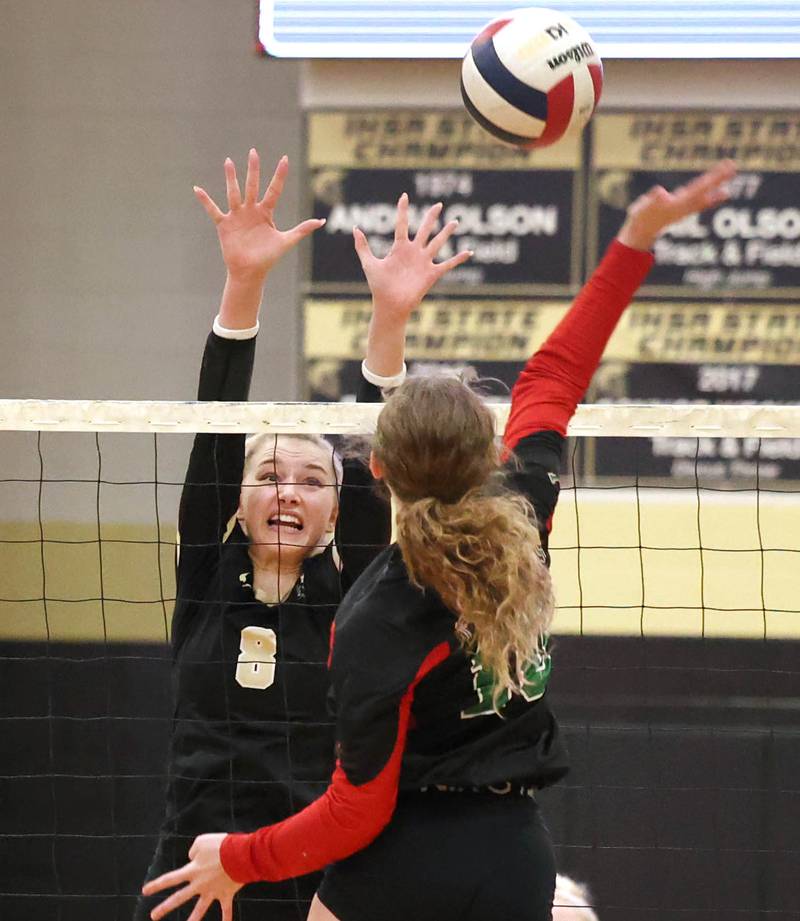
column 289, row 500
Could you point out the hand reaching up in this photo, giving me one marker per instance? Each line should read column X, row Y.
column 651, row 213
column 250, row 240
column 404, row 276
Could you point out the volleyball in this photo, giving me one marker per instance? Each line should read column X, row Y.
column 532, row 77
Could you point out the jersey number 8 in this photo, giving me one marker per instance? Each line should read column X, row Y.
column 256, row 665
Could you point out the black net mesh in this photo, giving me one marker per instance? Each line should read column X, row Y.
column 675, row 680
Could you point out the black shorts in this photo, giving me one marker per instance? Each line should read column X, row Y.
column 453, row 856
column 287, row 901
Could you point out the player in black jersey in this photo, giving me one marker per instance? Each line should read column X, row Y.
column 440, row 664
column 259, row 577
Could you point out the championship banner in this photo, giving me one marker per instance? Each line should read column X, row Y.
column 704, row 459
column 688, row 333
column 747, row 247
column 668, row 352
column 476, row 338
column 517, row 210
column 511, row 330
column 665, row 352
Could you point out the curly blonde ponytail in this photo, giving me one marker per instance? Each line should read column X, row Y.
column 475, row 545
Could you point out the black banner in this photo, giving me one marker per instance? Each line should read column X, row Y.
column 516, row 208
column 717, row 320
column 749, row 245
column 518, row 224
column 707, row 459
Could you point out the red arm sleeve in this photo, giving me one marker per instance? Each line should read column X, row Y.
column 345, row 819
column 556, row 377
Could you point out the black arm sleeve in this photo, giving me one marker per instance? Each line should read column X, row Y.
column 533, row 471
column 213, row 481
column 364, row 525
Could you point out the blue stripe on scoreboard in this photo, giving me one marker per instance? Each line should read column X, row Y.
column 444, row 28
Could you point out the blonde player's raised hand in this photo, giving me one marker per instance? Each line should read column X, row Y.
column 203, row 879
column 651, row 213
column 400, row 280
column 250, row 240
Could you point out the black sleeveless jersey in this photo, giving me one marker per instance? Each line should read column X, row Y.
column 252, row 740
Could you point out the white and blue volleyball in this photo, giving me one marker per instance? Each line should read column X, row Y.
column 532, row 77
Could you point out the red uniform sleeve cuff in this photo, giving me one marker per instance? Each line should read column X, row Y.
column 234, row 854
column 634, row 263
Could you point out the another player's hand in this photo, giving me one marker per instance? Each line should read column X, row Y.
column 651, row 213
column 251, row 242
column 203, row 878
column 404, row 276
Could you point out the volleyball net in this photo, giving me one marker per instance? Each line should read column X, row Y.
column 676, row 641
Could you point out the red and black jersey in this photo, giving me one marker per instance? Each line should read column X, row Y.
column 413, row 708
column 397, row 665
column 251, row 744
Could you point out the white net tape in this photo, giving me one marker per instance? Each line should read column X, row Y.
column 606, row 420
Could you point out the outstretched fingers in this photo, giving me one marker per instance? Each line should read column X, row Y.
column 442, row 268
column 209, row 204
column 363, row 251
column 253, row 180
column 428, row 223
column 181, row 897
column 275, row 187
column 232, row 185
column 201, row 907
column 722, row 172
column 304, row 229
column 441, row 238
column 708, row 189
column 401, row 224
column 168, row 880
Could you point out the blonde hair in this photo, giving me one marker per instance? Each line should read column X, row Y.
column 255, row 446
column 460, row 533
column 571, row 901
